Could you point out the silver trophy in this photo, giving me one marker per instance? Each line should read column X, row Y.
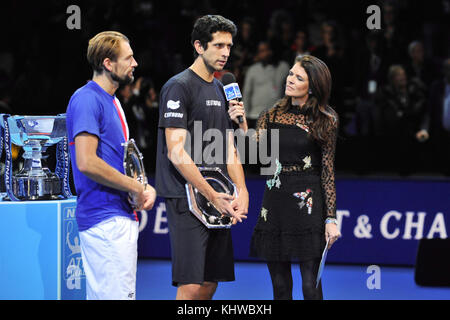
column 133, row 163
column 202, row 208
column 35, row 134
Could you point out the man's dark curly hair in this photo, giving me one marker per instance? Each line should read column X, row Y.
column 205, row 26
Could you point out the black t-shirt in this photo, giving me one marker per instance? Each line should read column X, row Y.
column 187, row 101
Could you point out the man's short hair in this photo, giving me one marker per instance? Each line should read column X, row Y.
column 104, row 45
column 205, row 26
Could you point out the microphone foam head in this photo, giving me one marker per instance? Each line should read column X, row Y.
column 228, row 78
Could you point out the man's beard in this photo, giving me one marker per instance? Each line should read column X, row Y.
column 121, row 80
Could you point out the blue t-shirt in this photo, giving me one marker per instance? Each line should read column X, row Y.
column 91, row 109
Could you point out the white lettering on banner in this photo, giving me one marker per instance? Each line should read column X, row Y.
column 409, row 225
column 384, row 224
column 143, row 220
column 363, row 228
column 438, row 225
column 159, row 218
column 72, row 264
column 340, row 214
column 74, row 273
column 70, row 213
column 390, row 230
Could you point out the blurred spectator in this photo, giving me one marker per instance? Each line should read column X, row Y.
column 329, row 46
column 146, row 108
column 125, row 95
column 369, row 74
column 263, row 84
column 245, row 45
column 140, row 104
column 280, row 35
column 400, row 106
column 369, row 69
column 299, row 45
column 418, row 67
column 393, row 46
column 436, row 124
column 331, row 51
column 316, row 17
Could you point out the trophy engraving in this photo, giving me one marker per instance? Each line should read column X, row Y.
column 202, row 208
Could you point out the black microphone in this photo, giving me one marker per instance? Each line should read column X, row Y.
column 231, row 89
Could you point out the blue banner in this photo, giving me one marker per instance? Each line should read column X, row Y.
column 73, row 278
column 40, row 256
column 381, row 221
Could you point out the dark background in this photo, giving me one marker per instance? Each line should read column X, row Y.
column 42, row 62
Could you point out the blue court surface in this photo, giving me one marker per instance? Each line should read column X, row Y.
column 339, row 282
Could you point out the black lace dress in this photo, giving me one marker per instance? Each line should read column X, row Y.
column 300, row 194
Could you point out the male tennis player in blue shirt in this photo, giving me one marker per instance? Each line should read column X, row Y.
column 96, row 128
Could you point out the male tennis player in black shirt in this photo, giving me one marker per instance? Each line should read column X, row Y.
column 193, row 109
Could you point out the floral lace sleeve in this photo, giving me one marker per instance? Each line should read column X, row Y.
column 327, row 175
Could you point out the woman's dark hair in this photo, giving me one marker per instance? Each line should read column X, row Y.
column 205, row 26
column 320, row 117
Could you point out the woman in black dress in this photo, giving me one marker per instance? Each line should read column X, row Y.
column 298, row 213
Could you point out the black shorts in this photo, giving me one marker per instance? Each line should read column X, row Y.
column 199, row 254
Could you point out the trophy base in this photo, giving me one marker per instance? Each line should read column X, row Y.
column 204, row 211
column 37, row 188
column 201, row 208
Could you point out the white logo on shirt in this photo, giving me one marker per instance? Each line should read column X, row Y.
column 173, row 104
column 216, row 103
column 173, row 115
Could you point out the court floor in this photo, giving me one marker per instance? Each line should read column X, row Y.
column 339, row 282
